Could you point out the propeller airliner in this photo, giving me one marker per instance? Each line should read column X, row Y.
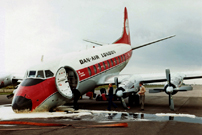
column 51, row 84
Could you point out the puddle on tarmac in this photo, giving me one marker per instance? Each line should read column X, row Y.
column 6, row 113
column 120, row 116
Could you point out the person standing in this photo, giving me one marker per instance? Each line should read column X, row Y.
column 110, row 102
column 77, row 95
column 142, row 95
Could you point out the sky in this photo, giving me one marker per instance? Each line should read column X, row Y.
column 32, row 28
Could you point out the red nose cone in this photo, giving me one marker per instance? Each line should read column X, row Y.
column 33, row 92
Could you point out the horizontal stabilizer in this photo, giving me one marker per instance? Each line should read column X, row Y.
column 184, row 88
column 156, row 90
column 140, row 46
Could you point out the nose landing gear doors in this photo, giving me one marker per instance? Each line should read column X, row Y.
column 62, row 83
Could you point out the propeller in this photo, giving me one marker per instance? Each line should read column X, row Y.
column 168, row 76
column 119, row 93
column 184, row 88
column 171, row 103
column 170, row 89
column 156, row 90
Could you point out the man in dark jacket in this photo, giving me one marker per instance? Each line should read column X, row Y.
column 76, row 98
column 110, row 93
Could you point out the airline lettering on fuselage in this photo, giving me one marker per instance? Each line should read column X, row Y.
column 92, row 58
column 108, row 53
column 86, row 60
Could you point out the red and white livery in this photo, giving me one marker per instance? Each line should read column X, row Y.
column 52, row 83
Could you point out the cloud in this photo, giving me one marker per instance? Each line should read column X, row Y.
column 51, row 28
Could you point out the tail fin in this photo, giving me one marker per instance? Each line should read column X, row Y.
column 126, row 33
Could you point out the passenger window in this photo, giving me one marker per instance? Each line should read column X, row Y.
column 32, row 74
column 48, row 73
column 124, row 57
column 112, row 62
column 119, row 59
column 95, row 70
column 99, row 67
column 89, row 71
column 108, row 64
column 115, row 61
column 40, row 74
column 104, row 65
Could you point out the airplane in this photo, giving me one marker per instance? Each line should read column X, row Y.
column 54, row 83
column 9, row 79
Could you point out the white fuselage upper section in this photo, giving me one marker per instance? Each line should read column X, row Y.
column 84, row 58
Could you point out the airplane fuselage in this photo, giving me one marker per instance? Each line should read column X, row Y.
column 85, row 69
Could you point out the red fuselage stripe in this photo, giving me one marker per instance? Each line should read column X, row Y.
column 39, row 93
column 84, row 73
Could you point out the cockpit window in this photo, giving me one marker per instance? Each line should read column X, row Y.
column 40, row 74
column 32, row 73
column 49, row 73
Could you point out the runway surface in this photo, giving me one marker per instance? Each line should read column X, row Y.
column 155, row 120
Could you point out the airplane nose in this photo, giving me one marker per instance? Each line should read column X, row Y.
column 21, row 103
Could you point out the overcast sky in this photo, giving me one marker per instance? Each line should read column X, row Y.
column 29, row 29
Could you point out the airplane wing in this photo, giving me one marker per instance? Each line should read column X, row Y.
column 129, row 84
column 149, row 78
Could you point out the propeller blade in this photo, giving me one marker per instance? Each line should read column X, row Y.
column 123, row 103
column 116, row 82
column 156, row 90
column 171, row 103
column 184, row 88
column 168, row 77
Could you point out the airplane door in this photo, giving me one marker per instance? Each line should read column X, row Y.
column 62, row 83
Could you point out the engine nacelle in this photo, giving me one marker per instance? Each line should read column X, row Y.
column 129, row 85
column 177, row 79
column 6, row 80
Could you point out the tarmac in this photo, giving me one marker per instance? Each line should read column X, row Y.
column 186, row 103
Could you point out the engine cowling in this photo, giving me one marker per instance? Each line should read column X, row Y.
column 6, row 80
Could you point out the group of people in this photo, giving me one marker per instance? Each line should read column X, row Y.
column 141, row 93
column 110, row 94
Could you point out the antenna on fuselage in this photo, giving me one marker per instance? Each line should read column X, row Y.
column 42, row 58
column 94, row 42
